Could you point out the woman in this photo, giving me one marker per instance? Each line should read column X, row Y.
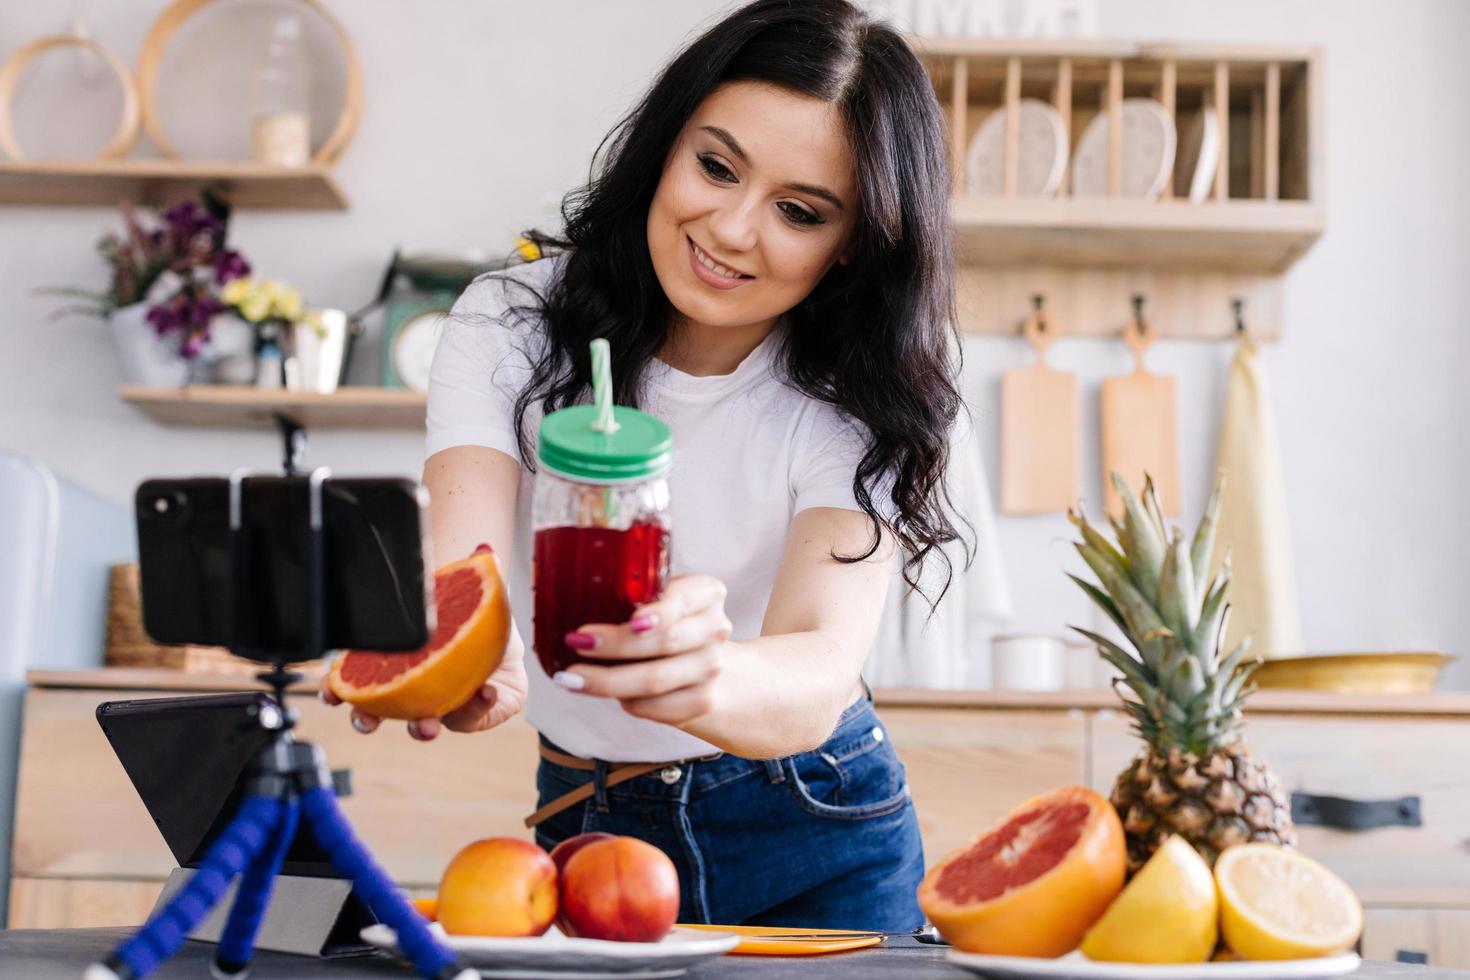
column 766, row 248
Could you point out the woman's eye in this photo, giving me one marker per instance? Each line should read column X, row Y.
column 800, row 215
column 716, row 169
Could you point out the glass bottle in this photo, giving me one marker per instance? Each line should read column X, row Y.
column 280, row 129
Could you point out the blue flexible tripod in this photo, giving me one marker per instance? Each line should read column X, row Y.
column 289, row 781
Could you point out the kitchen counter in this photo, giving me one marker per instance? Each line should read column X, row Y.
column 53, row 954
column 1285, row 702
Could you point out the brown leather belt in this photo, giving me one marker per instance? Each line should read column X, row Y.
column 617, row 772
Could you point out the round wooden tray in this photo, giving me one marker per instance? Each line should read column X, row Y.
column 1355, row 673
column 150, row 58
column 127, row 131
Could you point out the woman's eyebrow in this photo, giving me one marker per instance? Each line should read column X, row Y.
column 813, row 189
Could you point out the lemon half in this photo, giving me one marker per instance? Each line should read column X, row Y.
column 1166, row 914
column 1277, row 904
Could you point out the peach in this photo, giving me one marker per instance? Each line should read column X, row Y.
column 622, row 889
column 562, row 853
column 500, row 886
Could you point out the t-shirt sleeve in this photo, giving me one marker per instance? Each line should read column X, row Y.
column 827, row 461
column 480, row 366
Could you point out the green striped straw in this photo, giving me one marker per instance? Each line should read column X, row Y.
column 602, row 387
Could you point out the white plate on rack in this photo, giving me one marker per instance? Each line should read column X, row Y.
column 1147, row 153
column 557, row 956
column 1199, row 153
column 1041, row 153
column 1075, row 966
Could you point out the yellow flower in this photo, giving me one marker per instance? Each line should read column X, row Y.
column 527, row 249
column 236, row 290
column 257, row 306
column 287, row 302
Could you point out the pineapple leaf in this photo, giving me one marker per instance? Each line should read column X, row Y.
column 1136, row 673
column 1152, row 509
column 1146, row 556
column 1176, row 592
column 1211, row 627
column 1104, row 600
column 1091, row 535
column 1204, row 535
column 1136, row 610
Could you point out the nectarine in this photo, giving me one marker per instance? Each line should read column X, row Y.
column 622, row 889
column 500, row 886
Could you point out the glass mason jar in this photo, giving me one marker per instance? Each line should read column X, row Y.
column 600, row 516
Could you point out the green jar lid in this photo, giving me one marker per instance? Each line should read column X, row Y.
column 642, row 446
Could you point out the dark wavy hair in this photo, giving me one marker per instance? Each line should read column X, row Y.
column 876, row 338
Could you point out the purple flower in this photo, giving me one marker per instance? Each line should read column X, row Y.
column 187, row 220
column 228, row 265
column 164, row 317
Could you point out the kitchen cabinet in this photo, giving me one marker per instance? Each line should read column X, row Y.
column 86, row 853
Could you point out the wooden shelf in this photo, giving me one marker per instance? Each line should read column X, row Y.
column 241, row 406
column 159, row 182
column 1260, row 237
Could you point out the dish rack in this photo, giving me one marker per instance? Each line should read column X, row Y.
column 1261, row 210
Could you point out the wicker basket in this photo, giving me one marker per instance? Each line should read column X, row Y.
column 128, row 645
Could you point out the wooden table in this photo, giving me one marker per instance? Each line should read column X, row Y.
column 53, row 954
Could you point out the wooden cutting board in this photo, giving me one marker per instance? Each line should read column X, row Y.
column 1039, row 438
column 1140, row 431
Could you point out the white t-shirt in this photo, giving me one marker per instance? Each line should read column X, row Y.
column 749, row 453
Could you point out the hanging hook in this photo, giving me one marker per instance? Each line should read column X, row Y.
column 1138, row 321
column 1038, row 303
column 1239, row 306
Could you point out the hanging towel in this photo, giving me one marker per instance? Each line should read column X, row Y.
column 952, row 649
column 1253, row 525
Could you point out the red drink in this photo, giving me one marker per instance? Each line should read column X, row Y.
column 588, row 575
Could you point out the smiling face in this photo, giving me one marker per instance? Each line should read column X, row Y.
column 760, row 184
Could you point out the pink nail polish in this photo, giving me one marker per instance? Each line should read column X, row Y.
column 581, row 641
column 643, row 622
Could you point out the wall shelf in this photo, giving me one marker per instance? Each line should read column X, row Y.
column 162, row 182
column 1215, row 236
column 242, row 406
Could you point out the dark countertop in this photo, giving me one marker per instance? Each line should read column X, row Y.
column 44, row 954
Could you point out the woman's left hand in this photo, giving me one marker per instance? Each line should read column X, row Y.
column 680, row 640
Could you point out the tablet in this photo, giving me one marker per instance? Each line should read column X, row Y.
column 187, row 758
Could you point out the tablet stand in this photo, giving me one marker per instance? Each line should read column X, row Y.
column 289, row 781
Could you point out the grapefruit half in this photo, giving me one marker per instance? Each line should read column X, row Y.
column 464, row 650
column 1034, row 884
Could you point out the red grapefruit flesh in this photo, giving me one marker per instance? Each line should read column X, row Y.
column 1033, row 885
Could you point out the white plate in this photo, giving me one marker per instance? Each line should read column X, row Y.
column 556, row 956
column 1040, row 158
column 1075, row 966
column 1198, row 154
column 1148, row 152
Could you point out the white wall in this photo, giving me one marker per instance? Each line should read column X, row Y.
column 476, row 111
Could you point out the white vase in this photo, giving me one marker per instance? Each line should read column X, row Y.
column 231, row 350
column 319, row 350
column 144, row 356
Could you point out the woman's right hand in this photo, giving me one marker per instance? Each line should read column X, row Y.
column 503, row 695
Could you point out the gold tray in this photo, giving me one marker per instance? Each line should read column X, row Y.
column 1355, row 673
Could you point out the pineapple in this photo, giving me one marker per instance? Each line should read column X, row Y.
column 1193, row 776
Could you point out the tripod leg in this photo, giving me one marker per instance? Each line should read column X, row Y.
column 374, row 887
column 167, row 929
column 237, row 942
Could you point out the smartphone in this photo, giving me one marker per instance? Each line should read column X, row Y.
column 196, row 588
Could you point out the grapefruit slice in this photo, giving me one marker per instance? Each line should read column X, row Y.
column 1034, row 884
column 464, row 650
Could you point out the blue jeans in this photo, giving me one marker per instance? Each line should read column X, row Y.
column 825, row 839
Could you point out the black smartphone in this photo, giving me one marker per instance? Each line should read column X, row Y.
column 377, row 568
column 188, row 759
